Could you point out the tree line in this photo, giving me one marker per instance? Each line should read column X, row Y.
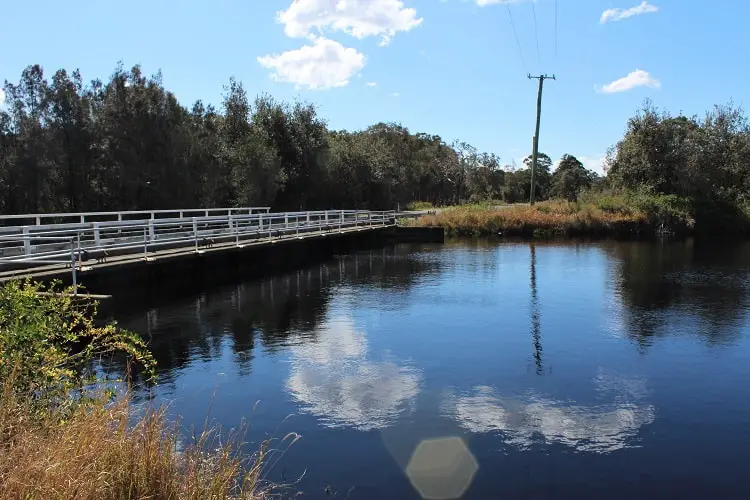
column 702, row 161
column 128, row 144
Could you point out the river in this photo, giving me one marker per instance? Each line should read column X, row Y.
column 478, row 369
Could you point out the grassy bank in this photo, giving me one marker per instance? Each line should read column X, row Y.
column 602, row 215
column 60, row 440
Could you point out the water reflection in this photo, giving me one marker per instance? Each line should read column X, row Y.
column 536, row 324
column 271, row 310
column 333, row 378
column 708, row 283
column 600, row 428
column 428, row 344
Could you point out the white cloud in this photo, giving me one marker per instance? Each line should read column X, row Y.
column 2, row 97
column 323, row 65
column 372, row 84
column 637, row 78
column 333, row 378
column 612, row 15
column 396, row 94
column 358, row 18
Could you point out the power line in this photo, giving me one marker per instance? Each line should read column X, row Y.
column 555, row 30
column 536, row 36
column 515, row 33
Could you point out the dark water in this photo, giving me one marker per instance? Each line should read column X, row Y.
column 510, row 370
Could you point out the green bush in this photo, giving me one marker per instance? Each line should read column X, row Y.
column 48, row 341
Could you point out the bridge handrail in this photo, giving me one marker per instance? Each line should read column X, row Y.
column 38, row 228
column 82, row 215
column 149, row 233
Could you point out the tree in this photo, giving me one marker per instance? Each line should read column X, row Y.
column 542, row 176
column 570, row 178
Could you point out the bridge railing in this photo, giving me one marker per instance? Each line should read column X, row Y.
column 83, row 217
column 34, row 245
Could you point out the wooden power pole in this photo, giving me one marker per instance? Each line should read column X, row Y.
column 535, row 154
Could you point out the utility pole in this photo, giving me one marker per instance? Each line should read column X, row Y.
column 535, row 154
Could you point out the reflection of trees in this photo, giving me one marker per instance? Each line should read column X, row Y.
column 393, row 268
column 706, row 282
column 601, row 428
column 267, row 310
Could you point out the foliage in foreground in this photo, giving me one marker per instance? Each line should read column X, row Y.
column 60, row 440
column 48, row 340
column 103, row 451
column 593, row 215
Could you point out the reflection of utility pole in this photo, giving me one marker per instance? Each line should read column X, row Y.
column 536, row 333
column 535, row 153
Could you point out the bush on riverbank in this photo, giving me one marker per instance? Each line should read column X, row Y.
column 59, row 439
column 592, row 215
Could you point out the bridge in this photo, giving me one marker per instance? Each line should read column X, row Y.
column 69, row 245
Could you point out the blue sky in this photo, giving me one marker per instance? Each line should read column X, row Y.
column 448, row 67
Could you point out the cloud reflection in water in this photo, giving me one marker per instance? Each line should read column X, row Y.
column 333, row 379
column 598, row 428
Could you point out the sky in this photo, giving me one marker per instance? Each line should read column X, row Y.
column 455, row 68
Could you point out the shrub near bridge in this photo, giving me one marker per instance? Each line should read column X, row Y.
column 61, row 439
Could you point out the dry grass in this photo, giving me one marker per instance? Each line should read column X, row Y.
column 545, row 218
column 62, row 436
column 104, row 451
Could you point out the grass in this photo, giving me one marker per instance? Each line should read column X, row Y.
column 104, row 451
column 601, row 215
column 61, row 439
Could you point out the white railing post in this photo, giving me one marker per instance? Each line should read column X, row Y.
column 27, row 241
column 260, row 223
column 286, row 219
column 145, row 243
column 97, row 234
column 78, row 237
column 195, row 232
column 38, row 221
column 231, row 222
column 151, row 232
column 296, row 223
column 73, row 268
column 341, row 220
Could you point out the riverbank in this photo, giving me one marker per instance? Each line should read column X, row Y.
column 615, row 216
column 61, row 439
